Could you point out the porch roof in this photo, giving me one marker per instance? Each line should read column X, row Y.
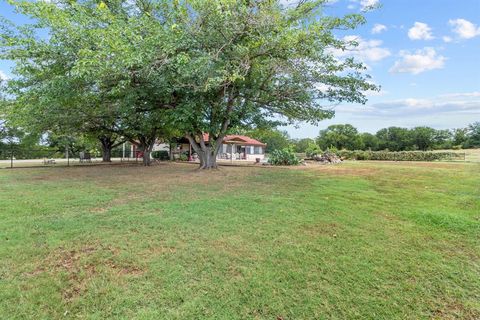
column 238, row 139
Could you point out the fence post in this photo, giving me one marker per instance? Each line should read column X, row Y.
column 68, row 156
column 11, row 157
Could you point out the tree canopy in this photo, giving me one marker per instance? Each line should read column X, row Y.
column 145, row 68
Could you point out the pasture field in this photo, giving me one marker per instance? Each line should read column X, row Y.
column 359, row 240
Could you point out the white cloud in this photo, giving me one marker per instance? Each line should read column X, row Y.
column 366, row 51
column 447, row 39
column 419, row 61
column 378, row 28
column 474, row 94
column 3, row 75
column 293, row 3
column 367, row 4
column 420, row 31
column 414, row 107
column 464, row 28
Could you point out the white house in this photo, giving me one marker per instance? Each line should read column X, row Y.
column 234, row 147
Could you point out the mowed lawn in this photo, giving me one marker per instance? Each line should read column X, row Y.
column 358, row 240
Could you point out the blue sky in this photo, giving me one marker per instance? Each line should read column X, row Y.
column 425, row 54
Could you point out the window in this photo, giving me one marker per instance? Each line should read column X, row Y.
column 258, row 150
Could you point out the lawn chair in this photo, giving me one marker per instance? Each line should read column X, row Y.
column 48, row 161
column 85, row 157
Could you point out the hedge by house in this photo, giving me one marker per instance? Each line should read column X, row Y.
column 284, row 157
column 161, row 155
column 400, row 155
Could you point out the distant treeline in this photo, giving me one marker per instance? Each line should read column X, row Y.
column 347, row 137
column 399, row 139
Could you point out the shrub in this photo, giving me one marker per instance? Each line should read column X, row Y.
column 183, row 157
column 160, row 155
column 312, row 150
column 400, row 155
column 284, row 157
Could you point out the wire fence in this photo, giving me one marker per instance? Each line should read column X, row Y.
column 17, row 157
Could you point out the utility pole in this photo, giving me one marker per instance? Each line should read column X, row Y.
column 11, row 156
column 67, row 155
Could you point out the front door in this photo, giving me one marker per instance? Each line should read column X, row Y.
column 241, row 152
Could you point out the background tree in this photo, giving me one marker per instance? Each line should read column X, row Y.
column 473, row 135
column 301, row 145
column 340, row 136
column 274, row 138
column 460, row 136
column 394, row 139
column 443, row 139
column 423, row 138
column 369, row 141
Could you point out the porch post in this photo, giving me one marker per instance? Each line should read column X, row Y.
column 231, row 153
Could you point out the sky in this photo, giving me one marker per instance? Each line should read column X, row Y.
column 425, row 55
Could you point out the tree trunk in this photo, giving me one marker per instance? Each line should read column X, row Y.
column 206, row 153
column 147, row 147
column 146, row 158
column 170, row 151
column 106, row 154
column 107, row 145
column 208, row 158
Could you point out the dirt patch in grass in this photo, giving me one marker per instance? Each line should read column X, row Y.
column 455, row 310
column 79, row 266
column 321, row 229
column 343, row 170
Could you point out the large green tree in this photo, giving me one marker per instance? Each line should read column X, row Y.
column 87, row 76
column 237, row 62
column 202, row 66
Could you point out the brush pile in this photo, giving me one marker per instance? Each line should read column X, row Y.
column 327, row 158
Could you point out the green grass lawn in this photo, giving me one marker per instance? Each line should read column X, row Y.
column 359, row 240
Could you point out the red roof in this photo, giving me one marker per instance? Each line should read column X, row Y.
column 238, row 139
